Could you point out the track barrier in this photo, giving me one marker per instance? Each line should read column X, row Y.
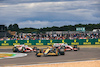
column 50, row 42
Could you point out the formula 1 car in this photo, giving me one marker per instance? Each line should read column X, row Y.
column 75, row 48
column 66, row 46
column 50, row 52
column 34, row 49
column 22, row 48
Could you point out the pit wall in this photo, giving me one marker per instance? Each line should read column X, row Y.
column 50, row 42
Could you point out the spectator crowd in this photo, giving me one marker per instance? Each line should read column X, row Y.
column 55, row 36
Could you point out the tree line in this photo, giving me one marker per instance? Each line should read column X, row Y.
column 88, row 27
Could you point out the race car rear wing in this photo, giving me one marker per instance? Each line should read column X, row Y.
column 60, row 44
column 20, row 45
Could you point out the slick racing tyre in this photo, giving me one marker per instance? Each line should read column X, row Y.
column 34, row 49
column 38, row 55
column 61, row 51
column 15, row 49
column 56, row 51
column 23, row 49
column 75, row 50
column 38, row 51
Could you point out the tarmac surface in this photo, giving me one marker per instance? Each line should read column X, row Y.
column 70, row 56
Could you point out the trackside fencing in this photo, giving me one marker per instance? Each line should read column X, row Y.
column 50, row 42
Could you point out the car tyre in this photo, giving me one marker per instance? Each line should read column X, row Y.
column 23, row 49
column 15, row 49
column 61, row 51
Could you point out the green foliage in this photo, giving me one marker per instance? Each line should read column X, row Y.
column 88, row 27
column 28, row 30
column 10, row 27
column 14, row 27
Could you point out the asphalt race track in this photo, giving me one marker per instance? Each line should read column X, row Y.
column 82, row 54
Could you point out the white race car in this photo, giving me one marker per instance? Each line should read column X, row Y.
column 67, row 47
column 22, row 48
